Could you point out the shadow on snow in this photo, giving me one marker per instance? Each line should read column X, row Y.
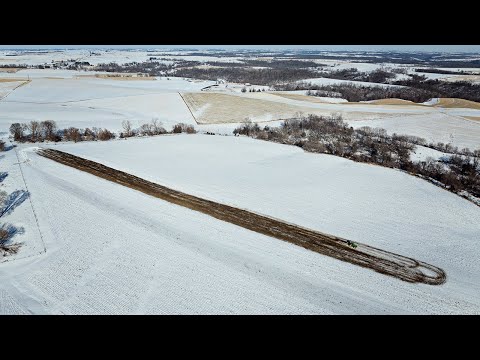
column 10, row 202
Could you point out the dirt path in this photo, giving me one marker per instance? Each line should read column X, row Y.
column 401, row 267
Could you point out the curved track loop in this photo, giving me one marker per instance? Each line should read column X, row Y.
column 401, row 267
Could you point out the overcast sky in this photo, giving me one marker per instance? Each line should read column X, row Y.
column 427, row 48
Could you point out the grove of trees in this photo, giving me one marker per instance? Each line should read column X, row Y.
column 35, row 131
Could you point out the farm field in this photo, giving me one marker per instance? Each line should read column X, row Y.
column 201, row 221
column 227, row 262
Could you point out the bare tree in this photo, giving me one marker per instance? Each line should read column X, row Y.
column 34, row 128
column 17, row 130
column 2, row 145
column 146, row 130
column 49, row 129
column 72, row 134
column 104, row 135
column 157, row 128
column 127, row 126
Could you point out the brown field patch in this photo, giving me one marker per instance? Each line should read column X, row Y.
column 219, row 108
column 475, row 118
column 299, row 97
column 216, row 108
column 472, row 78
column 5, row 80
column 457, row 103
column 9, row 70
column 394, row 102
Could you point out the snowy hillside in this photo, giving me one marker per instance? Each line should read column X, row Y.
column 113, row 250
column 83, row 242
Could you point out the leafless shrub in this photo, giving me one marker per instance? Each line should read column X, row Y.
column 4, row 235
column 7, row 232
column 104, row 135
column 247, row 128
column 181, row 127
column 189, row 129
column 72, row 134
column 89, row 134
column 157, row 128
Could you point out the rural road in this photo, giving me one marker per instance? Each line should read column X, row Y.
column 401, row 267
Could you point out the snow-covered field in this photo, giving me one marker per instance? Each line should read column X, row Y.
column 71, row 100
column 14, row 57
column 439, row 127
column 91, row 102
column 92, row 246
column 6, row 87
column 113, row 250
column 99, row 56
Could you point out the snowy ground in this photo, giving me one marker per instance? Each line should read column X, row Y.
column 91, row 102
column 88, row 102
column 99, row 56
column 8, row 86
column 438, row 127
column 422, row 153
column 113, row 250
column 8, row 57
column 110, row 249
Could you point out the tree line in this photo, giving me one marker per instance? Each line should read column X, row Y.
column 238, row 74
column 152, row 68
column 153, row 128
column 355, row 93
column 39, row 131
column 47, row 130
column 449, row 89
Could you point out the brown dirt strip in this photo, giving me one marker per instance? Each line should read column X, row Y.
column 9, row 70
column 11, row 80
column 299, row 97
column 457, row 103
column 401, row 267
column 475, row 118
column 394, row 101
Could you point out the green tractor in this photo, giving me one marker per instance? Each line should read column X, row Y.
column 352, row 244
